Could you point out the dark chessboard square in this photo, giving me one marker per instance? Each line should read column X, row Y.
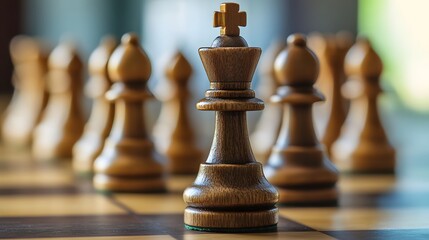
column 400, row 234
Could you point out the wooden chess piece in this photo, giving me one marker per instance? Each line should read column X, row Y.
column 332, row 113
column 128, row 161
column 29, row 99
column 63, row 119
column 230, row 193
column 100, row 121
column 363, row 146
column 173, row 134
column 344, row 41
column 298, row 165
column 267, row 129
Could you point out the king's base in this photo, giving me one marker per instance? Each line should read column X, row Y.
column 272, row 228
column 231, row 221
column 105, row 183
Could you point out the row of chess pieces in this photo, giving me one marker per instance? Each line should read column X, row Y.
column 46, row 111
column 231, row 190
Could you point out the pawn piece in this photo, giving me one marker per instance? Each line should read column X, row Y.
column 267, row 129
column 100, row 121
column 63, row 120
column 173, row 133
column 230, row 193
column 29, row 99
column 128, row 161
column 363, row 146
column 298, row 165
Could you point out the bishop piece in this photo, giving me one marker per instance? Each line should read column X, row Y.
column 63, row 119
column 30, row 96
column 298, row 164
column 363, row 146
column 100, row 121
column 128, row 161
column 173, row 132
column 267, row 129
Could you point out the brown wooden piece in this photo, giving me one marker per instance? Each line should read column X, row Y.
column 345, row 41
column 29, row 99
column 331, row 114
column 229, row 19
column 267, row 129
column 100, row 121
column 363, row 146
column 230, row 192
column 129, row 162
column 173, row 134
column 63, row 119
column 298, row 165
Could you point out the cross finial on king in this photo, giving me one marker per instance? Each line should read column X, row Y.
column 229, row 19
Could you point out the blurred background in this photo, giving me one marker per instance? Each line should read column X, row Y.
column 396, row 28
column 164, row 25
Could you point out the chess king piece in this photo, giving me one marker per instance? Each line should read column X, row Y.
column 363, row 146
column 173, row 134
column 230, row 192
column 332, row 113
column 100, row 121
column 298, row 165
column 128, row 161
column 29, row 98
column 63, row 119
column 267, row 129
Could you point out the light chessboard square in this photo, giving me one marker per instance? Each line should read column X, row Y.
column 56, row 205
column 53, row 177
column 152, row 203
column 260, row 236
column 325, row 219
column 149, row 237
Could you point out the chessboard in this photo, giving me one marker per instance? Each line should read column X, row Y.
column 48, row 201
column 97, row 180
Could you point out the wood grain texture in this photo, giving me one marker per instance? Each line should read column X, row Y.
column 230, row 192
column 363, row 145
column 229, row 19
column 24, row 112
column 100, row 121
column 298, row 165
column 173, row 133
column 128, row 161
column 63, row 119
column 267, row 129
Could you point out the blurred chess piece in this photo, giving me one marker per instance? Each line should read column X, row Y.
column 267, row 129
column 100, row 121
column 173, row 133
column 363, row 146
column 29, row 99
column 128, row 161
column 344, row 41
column 330, row 114
column 298, row 165
column 63, row 119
